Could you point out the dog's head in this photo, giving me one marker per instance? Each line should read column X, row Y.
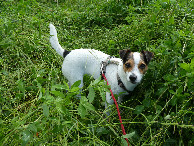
column 135, row 64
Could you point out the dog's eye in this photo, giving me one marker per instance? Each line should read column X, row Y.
column 142, row 66
column 127, row 65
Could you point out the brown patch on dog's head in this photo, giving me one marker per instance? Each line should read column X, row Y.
column 128, row 65
column 143, row 67
column 147, row 56
column 125, row 55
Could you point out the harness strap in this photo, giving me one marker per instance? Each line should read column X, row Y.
column 105, row 63
column 103, row 70
column 120, row 83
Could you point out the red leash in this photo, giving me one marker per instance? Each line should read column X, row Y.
column 122, row 127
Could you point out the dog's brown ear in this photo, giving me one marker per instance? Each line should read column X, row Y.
column 124, row 53
column 147, row 56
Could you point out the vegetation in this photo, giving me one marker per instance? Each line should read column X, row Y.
column 37, row 106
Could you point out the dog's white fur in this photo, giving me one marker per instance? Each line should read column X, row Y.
column 88, row 61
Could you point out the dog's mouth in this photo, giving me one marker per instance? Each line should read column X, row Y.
column 133, row 82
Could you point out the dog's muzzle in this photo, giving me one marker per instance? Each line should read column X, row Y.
column 133, row 78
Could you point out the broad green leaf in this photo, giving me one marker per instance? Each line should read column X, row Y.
column 26, row 137
column 66, row 85
column 41, row 80
column 88, row 106
column 192, row 63
column 167, row 117
column 139, row 109
column 21, row 86
column 102, row 93
column 96, row 81
column 101, row 131
column 76, row 84
column 74, row 89
column 70, row 95
column 83, row 99
column 58, row 86
column 147, row 102
column 161, row 90
column 172, row 92
column 82, row 110
column 60, row 108
column 45, row 110
column 106, row 87
column 171, row 20
column 91, row 94
column 60, row 104
column 174, row 100
column 130, row 135
column 67, row 122
column 40, row 90
column 32, row 127
column 49, row 98
column 57, row 93
column 123, row 142
column 180, row 90
column 185, row 66
column 169, row 77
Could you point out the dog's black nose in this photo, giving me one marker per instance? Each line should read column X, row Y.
column 132, row 78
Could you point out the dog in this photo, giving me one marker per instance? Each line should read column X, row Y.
column 123, row 74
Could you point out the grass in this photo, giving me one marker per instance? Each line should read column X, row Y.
column 35, row 108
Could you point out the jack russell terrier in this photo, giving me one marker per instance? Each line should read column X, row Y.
column 122, row 74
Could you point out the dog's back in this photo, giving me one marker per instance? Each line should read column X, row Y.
column 83, row 61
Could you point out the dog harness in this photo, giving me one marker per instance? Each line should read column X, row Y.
column 103, row 70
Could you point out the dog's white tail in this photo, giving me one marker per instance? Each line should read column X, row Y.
column 54, row 40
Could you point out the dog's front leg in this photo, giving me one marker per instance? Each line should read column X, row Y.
column 109, row 101
column 120, row 99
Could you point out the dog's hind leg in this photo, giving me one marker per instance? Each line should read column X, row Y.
column 72, row 78
column 72, row 81
column 72, row 75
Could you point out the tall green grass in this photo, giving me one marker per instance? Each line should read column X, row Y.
column 36, row 108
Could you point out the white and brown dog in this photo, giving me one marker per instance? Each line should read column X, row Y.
column 122, row 74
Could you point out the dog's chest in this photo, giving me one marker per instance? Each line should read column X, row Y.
column 112, row 77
